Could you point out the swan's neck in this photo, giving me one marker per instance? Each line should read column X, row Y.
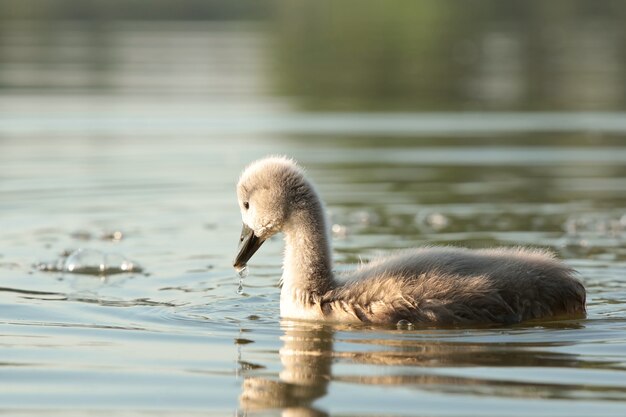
column 307, row 268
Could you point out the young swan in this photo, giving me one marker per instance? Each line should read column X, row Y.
column 434, row 286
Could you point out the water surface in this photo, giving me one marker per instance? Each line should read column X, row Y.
column 149, row 173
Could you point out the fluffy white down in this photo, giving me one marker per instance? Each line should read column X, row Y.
column 430, row 286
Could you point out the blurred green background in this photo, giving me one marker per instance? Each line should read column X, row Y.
column 348, row 55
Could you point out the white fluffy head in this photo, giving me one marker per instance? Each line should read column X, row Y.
column 268, row 191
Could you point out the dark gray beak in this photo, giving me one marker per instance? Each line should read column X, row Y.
column 248, row 245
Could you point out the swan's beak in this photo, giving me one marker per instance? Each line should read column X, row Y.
column 248, row 244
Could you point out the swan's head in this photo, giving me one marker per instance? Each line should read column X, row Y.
column 269, row 190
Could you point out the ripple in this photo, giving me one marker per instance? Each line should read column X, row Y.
column 596, row 224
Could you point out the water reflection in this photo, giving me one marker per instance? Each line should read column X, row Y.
column 306, row 357
column 430, row 55
column 477, row 362
column 122, row 58
column 450, row 55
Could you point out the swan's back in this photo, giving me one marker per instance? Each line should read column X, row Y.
column 448, row 286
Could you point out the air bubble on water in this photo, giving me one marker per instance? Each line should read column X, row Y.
column 404, row 325
column 90, row 262
column 432, row 221
column 339, row 231
column 115, row 236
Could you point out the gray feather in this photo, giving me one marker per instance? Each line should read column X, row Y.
column 439, row 286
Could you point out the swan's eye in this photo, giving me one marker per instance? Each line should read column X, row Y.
column 246, row 205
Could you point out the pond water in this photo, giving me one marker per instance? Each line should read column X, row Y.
column 149, row 177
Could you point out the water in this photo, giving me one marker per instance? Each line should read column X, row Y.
column 147, row 170
column 243, row 273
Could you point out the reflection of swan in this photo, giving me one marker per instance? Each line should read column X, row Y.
column 306, row 357
column 433, row 286
column 402, row 359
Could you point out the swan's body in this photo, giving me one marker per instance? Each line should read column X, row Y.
column 429, row 286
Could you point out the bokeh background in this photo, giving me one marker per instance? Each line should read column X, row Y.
column 478, row 55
